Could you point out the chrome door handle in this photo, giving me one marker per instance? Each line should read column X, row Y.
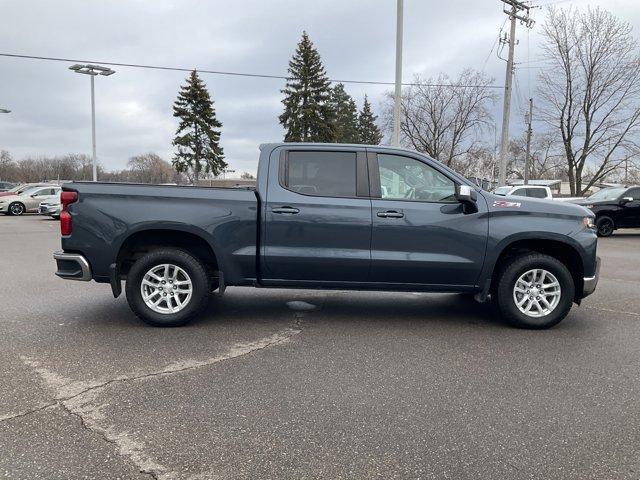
column 390, row 214
column 285, row 210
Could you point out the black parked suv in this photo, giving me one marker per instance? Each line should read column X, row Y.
column 615, row 207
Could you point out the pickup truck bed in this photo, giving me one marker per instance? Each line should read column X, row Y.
column 114, row 218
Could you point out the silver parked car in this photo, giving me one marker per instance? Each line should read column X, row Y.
column 29, row 200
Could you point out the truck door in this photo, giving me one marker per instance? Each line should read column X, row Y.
column 630, row 211
column 420, row 233
column 317, row 218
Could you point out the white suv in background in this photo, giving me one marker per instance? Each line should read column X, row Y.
column 533, row 191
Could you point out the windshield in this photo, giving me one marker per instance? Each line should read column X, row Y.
column 607, row 194
column 502, row 190
column 17, row 188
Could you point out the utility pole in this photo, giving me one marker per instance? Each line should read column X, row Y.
column 398, row 92
column 514, row 14
column 528, row 119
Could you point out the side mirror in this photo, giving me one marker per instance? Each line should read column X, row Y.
column 467, row 196
column 625, row 200
column 33, row 195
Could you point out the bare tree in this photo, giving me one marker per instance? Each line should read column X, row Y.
column 547, row 160
column 443, row 117
column 7, row 166
column 150, row 168
column 590, row 89
column 478, row 162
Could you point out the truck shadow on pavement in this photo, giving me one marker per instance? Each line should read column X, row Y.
column 246, row 306
column 239, row 306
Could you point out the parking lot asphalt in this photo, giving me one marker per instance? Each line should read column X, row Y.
column 304, row 384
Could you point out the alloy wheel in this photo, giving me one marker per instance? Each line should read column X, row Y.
column 537, row 293
column 166, row 288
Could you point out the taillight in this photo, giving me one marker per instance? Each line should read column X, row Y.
column 66, row 199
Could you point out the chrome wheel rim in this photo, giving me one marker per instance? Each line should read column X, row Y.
column 16, row 209
column 537, row 293
column 166, row 288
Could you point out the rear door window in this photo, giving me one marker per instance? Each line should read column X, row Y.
column 323, row 174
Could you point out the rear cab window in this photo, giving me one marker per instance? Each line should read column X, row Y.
column 536, row 192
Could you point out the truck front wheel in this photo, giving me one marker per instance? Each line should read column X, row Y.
column 534, row 291
column 167, row 287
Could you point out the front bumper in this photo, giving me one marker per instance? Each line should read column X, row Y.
column 589, row 283
column 72, row 266
column 49, row 210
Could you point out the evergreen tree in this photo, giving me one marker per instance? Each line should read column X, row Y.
column 368, row 131
column 345, row 115
column 307, row 115
column 198, row 134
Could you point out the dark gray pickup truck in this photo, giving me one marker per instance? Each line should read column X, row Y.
column 330, row 216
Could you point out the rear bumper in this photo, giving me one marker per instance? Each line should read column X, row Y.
column 589, row 283
column 72, row 266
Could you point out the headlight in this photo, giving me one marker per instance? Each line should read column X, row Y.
column 588, row 222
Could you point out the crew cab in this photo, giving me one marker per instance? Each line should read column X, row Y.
column 329, row 216
column 614, row 208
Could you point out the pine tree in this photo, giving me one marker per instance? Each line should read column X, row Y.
column 198, row 134
column 368, row 131
column 345, row 115
column 307, row 115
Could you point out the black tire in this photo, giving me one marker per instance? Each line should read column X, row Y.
column 605, row 226
column 504, row 291
column 16, row 209
column 182, row 259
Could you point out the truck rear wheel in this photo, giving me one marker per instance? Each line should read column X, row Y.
column 534, row 291
column 167, row 287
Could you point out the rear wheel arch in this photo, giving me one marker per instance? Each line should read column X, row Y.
column 564, row 252
column 142, row 242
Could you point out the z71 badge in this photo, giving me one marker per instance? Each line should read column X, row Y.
column 505, row 204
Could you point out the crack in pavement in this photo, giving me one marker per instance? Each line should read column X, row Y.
column 11, row 416
column 78, row 397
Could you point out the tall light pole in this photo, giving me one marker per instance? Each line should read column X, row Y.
column 398, row 92
column 92, row 71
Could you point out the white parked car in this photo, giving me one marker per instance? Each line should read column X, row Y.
column 29, row 200
column 533, row 191
column 51, row 208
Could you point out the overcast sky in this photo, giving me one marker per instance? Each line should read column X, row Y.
column 51, row 108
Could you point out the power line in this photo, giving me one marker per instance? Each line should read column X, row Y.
column 495, row 42
column 235, row 74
